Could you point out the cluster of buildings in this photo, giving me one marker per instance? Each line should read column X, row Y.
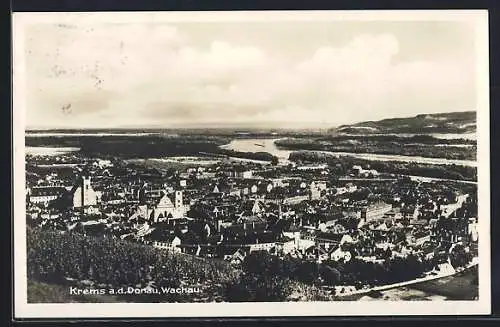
column 230, row 209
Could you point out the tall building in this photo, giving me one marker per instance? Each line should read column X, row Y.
column 83, row 194
column 178, row 199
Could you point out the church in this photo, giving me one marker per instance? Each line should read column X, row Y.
column 82, row 193
column 168, row 207
column 81, row 196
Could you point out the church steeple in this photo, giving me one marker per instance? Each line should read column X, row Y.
column 83, row 193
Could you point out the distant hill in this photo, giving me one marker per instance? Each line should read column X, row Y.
column 452, row 122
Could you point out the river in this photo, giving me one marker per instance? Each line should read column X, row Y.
column 258, row 145
column 268, row 145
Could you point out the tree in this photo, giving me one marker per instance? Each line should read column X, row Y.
column 330, row 275
column 262, row 263
column 307, row 272
column 361, row 194
column 459, row 257
column 274, row 160
column 257, row 288
column 263, row 279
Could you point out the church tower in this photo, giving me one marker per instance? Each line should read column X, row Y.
column 86, row 183
column 178, row 199
column 83, row 193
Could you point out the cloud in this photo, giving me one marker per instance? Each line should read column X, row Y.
column 149, row 74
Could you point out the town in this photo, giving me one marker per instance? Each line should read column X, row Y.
column 228, row 209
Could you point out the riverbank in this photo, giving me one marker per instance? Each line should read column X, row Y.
column 456, row 285
column 48, row 151
column 270, row 146
column 434, row 179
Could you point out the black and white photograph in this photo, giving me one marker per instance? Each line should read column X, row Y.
column 278, row 163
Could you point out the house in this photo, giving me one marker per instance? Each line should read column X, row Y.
column 258, row 207
column 251, row 208
column 359, row 171
column 45, row 194
column 351, row 188
column 294, row 253
column 321, row 185
column 280, row 182
column 221, row 187
column 262, row 246
column 206, row 175
column 382, row 227
column 334, row 238
column 340, row 255
column 393, row 214
column 295, row 199
column 247, row 230
column 302, row 244
column 237, row 258
column 245, row 191
column 375, row 211
column 103, row 163
column 356, row 169
column 316, row 189
column 244, row 174
column 92, row 210
column 143, row 229
column 473, row 230
column 171, row 243
column 313, row 167
column 49, row 215
column 266, row 187
column 239, row 171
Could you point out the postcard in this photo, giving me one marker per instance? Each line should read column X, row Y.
column 249, row 164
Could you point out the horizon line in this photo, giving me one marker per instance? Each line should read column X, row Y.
column 242, row 126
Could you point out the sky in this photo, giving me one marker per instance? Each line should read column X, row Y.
column 278, row 74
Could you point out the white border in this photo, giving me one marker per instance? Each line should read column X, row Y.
column 479, row 21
